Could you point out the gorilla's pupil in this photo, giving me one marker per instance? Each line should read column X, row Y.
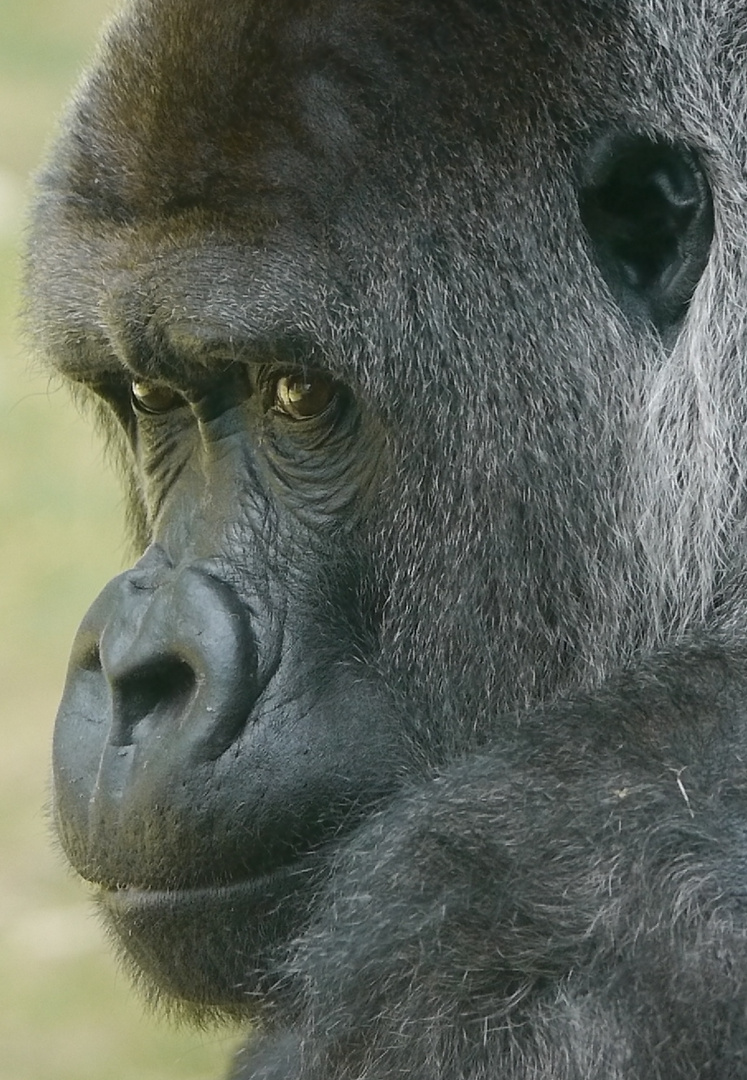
column 300, row 397
column 154, row 398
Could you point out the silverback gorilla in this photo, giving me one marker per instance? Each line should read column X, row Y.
column 417, row 734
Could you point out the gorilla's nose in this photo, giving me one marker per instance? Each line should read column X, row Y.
column 177, row 655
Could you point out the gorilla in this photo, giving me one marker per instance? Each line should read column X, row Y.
column 416, row 736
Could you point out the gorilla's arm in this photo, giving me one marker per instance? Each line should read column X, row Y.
column 275, row 1057
column 569, row 904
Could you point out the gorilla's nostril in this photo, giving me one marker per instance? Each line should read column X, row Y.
column 160, row 690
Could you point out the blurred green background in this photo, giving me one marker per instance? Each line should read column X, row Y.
column 66, row 1012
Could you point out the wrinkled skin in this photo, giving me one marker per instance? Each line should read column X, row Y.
column 417, row 733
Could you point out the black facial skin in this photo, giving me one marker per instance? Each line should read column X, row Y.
column 230, row 647
column 417, row 731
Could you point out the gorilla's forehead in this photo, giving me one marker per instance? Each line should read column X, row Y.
column 227, row 103
column 261, row 147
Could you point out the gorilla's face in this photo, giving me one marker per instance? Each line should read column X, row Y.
column 350, row 280
column 223, row 719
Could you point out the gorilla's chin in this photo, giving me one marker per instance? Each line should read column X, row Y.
column 232, row 933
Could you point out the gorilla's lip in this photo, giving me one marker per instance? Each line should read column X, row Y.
column 124, row 897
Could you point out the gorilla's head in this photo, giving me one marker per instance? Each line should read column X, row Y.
column 402, row 319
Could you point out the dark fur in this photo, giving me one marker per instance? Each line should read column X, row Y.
column 498, row 725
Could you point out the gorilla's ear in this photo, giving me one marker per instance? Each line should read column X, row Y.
column 647, row 207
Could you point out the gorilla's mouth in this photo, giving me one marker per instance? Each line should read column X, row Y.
column 258, row 887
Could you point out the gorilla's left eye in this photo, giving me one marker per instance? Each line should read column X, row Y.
column 154, row 397
column 303, row 396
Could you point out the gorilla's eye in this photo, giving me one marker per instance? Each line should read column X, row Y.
column 303, row 396
column 154, row 397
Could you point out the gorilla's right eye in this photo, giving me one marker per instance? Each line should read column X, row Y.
column 154, row 397
column 302, row 397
